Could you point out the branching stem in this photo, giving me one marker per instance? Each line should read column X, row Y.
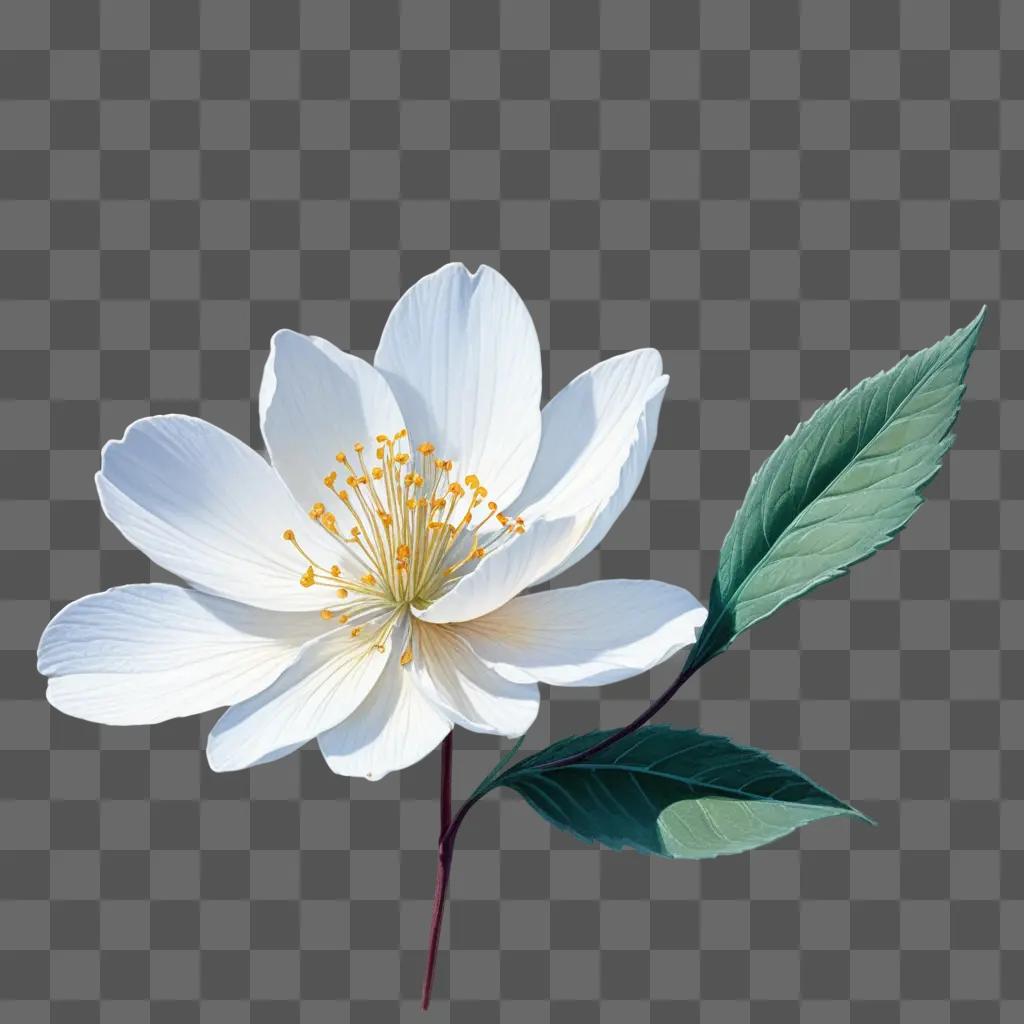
column 450, row 825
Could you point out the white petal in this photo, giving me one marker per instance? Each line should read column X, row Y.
column 206, row 507
column 394, row 727
column 595, row 524
column 468, row 692
column 501, row 575
column 149, row 652
column 589, row 635
column 588, row 430
column 326, row 683
column 315, row 401
column 461, row 354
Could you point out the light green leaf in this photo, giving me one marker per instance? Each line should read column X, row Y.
column 672, row 792
column 837, row 489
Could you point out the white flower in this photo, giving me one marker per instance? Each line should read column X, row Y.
column 361, row 587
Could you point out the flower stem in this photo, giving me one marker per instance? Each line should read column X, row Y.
column 450, row 825
column 445, row 849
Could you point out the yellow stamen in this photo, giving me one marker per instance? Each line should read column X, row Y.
column 403, row 526
column 406, row 656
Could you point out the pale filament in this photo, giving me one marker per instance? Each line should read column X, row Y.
column 414, row 526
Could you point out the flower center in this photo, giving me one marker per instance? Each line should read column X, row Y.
column 414, row 528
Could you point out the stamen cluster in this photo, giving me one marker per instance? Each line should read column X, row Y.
column 408, row 522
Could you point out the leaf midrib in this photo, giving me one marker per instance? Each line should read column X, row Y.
column 888, row 420
column 634, row 770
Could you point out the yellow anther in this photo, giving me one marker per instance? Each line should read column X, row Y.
column 342, row 619
column 405, row 560
column 406, row 656
column 356, row 630
column 380, row 648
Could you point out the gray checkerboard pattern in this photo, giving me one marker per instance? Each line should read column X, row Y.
column 783, row 197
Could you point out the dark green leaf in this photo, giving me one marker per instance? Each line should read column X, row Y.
column 671, row 792
column 837, row 489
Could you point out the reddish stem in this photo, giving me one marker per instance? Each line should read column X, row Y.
column 450, row 826
column 445, row 848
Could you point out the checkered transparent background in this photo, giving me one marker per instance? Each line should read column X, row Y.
column 783, row 198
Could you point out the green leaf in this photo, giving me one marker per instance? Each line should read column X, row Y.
column 837, row 489
column 671, row 792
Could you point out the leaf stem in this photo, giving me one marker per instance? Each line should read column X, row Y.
column 689, row 669
column 445, row 849
column 450, row 825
